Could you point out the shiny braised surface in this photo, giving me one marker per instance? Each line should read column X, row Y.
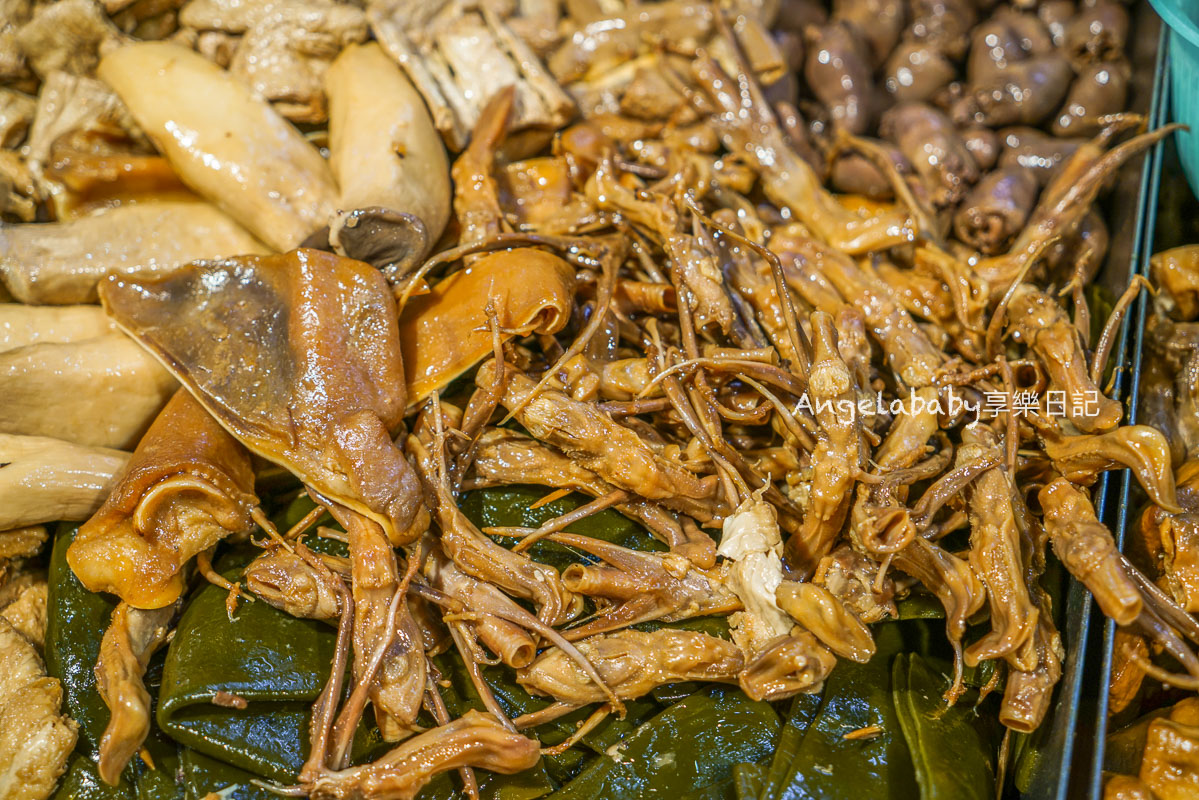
column 805, row 291
column 335, row 392
column 188, row 485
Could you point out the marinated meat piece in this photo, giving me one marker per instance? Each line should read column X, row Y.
column 930, row 143
column 853, row 173
column 19, row 192
column 983, row 144
column 1179, row 540
column 995, row 556
column 1143, row 449
column 131, row 638
column 1039, row 323
column 502, row 625
column 609, row 40
column 539, row 193
column 612, row 451
column 995, row 210
column 1127, row 675
column 840, row 449
column 35, row 738
column 217, row 46
column 837, row 70
column 745, row 127
column 788, row 666
column 633, row 663
column 1176, row 271
column 945, row 24
column 1025, row 93
column 879, row 22
column 67, row 35
column 399, row 683
column 474, row 739
column 188, row 485
column 459, row 58
column 1056, row 14
column 13, row 14
column 286, row 49
column 821, row 612
column 957, row 587
column 506, row 457
column 1126, row 787
column 289, row 582
column 698, row 270
column 1027, row 696
column 1033, row 149
column 329, row 319
column 1170, row 766
column 1087, row 549
column 16, row 115
column 917, row 71
column 1098, row 91
column 1097, row 32
column 22, row 542
column 476, row 554
column 27, row 612
column 642, row 587
column 75, row 104
column 851, row 577
column 476, row 195
column 650, row 96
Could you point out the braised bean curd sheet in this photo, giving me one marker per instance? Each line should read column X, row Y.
column 587, row 399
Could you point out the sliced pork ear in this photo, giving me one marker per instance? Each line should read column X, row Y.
column 446, row 332
column 298, row 356
column 188, row 485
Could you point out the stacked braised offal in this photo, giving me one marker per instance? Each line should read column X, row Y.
column 662, row 265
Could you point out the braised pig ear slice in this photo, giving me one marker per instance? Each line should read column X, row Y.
column 298, row 356
column 446, row 332
column 188, row 485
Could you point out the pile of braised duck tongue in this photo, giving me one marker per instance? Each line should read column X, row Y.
column 803, row 297
column 1151, row 592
